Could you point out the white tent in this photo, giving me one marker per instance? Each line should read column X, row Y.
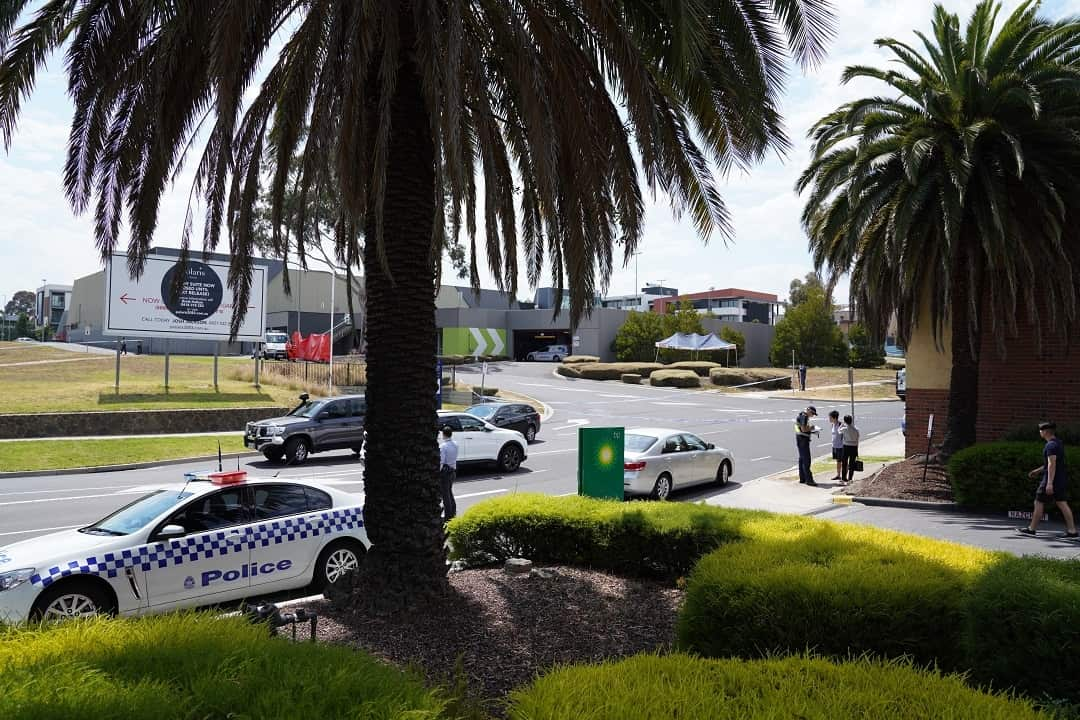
column 695, row 343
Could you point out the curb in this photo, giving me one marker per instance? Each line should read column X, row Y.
column 117, row 468
column 832, row 400
column 908, row 504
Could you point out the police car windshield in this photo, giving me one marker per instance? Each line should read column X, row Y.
column 136, row 515
column 307, row 409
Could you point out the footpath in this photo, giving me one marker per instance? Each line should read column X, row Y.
column 782, row 492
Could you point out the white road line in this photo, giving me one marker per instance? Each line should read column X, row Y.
column 43, row 492
column 37, row 530
column 759, row 459
column 873, row 433
column 74, row 497
column 552, row 452
column 478, row 494
column 565, row 494
column 560, row 389
column 684, row 404
column 712, row 432
column 620, row 397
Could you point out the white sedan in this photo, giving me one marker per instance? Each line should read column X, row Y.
column 479, row 441
column 216, row 538
column 659, row 460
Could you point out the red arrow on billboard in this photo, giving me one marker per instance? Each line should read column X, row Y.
column 124, row 298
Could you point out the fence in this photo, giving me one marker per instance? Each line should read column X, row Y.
column 346, row 374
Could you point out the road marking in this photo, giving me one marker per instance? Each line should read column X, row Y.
column 553, row 452
column 760, row 458
column 620, row 397
column 573, row 424
column 485, row 492
column 686, row 404
column 35, row 530
column 74, row 497
column 565, row 494
column 43, row 492
column 874, row 433
column 560, row 389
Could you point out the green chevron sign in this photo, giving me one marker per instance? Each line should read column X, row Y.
column 474, row 341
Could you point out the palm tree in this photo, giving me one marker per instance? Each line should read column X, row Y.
column 561, row 107
column 958, row 189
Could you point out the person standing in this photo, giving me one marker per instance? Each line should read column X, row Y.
column 850, row 437
column 803, row 431
column 1054, row 486
column 802, row 376
column 448, row 455
column 837, row 444
column 123, row 346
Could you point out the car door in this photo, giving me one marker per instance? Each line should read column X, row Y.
column 333, row 425
column 209, row 563
column 700, row 460
column 357, row 417
column 285, row 541
column 478, row 441
column 672, row 459
column 506, row 417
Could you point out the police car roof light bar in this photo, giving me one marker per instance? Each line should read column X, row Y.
column 230, row 477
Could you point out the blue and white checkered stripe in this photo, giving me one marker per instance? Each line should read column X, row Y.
column 207, row 545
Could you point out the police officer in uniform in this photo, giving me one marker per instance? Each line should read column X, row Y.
column 803, row 431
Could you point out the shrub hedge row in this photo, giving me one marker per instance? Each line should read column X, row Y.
column 185, row 666
column 994, row 476
column 675, row 378
column 700, row 367
column 693, row 688
column 1069, row 433
column 729, row 377
column 573, row 359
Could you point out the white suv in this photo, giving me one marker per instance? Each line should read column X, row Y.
column 481, row 442
column 554, row 353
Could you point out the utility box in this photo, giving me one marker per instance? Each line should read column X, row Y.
column 600, row 462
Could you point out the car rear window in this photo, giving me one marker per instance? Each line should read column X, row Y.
column 638, row 443
column 317, row 499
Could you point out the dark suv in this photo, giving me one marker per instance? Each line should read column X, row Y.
column 512, row 416
column 335, row 423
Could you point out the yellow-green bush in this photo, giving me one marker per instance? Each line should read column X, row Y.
column 729, row 377
column 631, row 378
column 675, row 378
column 194, row 666
column 607, row 371
column 649, row 539
column 574, row 359
column 699, row 367
column 796, row 584
column 646, row 687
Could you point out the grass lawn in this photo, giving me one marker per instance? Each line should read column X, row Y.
column 884, row 391
column 61, row 454
column 86, row 383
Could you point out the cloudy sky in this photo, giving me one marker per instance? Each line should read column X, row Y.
column 40, row 237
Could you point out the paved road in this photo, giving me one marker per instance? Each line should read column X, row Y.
column 757, row 430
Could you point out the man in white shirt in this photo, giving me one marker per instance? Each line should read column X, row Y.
column 448, row 454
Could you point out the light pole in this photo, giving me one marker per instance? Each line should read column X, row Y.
column 45, row 309
column 637, row 288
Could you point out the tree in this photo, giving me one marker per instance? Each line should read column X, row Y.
column 562, row 107
column 23, row 326
column 810, row 330
column 681, row 317
column 801, row 289
column 636, row 340
column 22, row 301
column 956, row 191
column 735, row 337
column 864, row 352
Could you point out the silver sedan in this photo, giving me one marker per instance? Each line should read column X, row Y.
column 659, row 460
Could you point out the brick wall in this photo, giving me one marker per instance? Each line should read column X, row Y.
column 132, row 422
column 920, row 404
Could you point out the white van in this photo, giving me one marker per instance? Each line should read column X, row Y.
column 274, row 345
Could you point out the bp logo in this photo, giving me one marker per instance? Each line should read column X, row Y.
column 189, row 582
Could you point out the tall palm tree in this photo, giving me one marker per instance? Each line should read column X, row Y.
column 958, row 188
column 546, row 115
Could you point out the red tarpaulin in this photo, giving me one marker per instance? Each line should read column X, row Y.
column 313, row 347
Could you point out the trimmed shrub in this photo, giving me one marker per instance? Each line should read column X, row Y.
column 690, row 688
column 183, row 666
column 728, row 377
column 798, row 584
column 614, row 371
column 572, row 359
column 700, row 367
column 642, row 539
column 994, row 476
column 631, row 378
column 1023, row 627
column 485, row 391
column 675, row 378
column 452, row 359
column 570, row 371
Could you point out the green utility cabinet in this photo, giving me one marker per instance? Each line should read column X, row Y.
column 600, row 462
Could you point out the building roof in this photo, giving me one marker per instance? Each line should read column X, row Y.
column 662, row 302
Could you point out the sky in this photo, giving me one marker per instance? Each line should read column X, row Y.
column 42, row 239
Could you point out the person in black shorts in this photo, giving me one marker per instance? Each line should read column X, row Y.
column 1054, row 487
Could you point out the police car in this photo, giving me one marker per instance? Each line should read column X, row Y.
column 216, row 538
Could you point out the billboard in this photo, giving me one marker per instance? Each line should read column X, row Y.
column 197, row 306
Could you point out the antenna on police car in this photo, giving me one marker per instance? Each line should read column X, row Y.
column 219, row 456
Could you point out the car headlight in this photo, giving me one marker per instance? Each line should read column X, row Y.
column 15, row 578
column 275, row 429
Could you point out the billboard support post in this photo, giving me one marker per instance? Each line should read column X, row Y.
column 215, row 366
column 257, row 386
column 117, row 386
column 166, row 366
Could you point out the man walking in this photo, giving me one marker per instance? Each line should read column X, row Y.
column 802, row 377
column 448, row 454
column 1054, row 487
column 803, row 431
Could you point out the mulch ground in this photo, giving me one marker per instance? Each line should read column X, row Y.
column 503, row 630
column 904, row 481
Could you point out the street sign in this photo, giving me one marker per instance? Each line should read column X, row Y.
column 930, row 427
column 600, row 462
column 577, row 341
column 438, row 384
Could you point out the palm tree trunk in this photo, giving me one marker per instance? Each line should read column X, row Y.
column 407, row 563
column 964, row 376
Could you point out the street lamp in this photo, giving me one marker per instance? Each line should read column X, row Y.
column 45, row 309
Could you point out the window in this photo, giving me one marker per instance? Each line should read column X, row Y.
column 471, row 424
column 210, row 512
column 638, row 443
column 693, row 442
column 274, row 501
column 451, row 422
column 317, row 499
column 671, row 445
column 337, row 409
column 138, row 514
column 358, row 406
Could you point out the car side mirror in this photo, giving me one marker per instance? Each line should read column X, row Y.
column 710, row 446
column 170, row 532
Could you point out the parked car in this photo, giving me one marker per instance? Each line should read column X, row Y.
column 659, row 460
column 481, row 442
column 216, row 538
column 512, row 416
column 552, row 353
column 25, row 339
column 334, row 423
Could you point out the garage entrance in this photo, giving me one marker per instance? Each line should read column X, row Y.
column 526, row 341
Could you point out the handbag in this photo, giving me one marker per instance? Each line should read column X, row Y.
column 858, row 465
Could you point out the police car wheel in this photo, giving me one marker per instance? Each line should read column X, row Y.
column 336, row 560
column 297, row 450
column 71, row 600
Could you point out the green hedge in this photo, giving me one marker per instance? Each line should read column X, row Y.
column 485, row 391
column 994, row 476
column 644, row 539
column 607, row 371
column 574, row 359
column 699, row 367
column 804, row 584
column 1023, row 627
column 675, row 378
column 187, row 666
column 645, row 687
column 1069, row 433
column 728, row 377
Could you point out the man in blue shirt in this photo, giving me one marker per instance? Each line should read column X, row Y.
column 448, row 454
column 1054, row 487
